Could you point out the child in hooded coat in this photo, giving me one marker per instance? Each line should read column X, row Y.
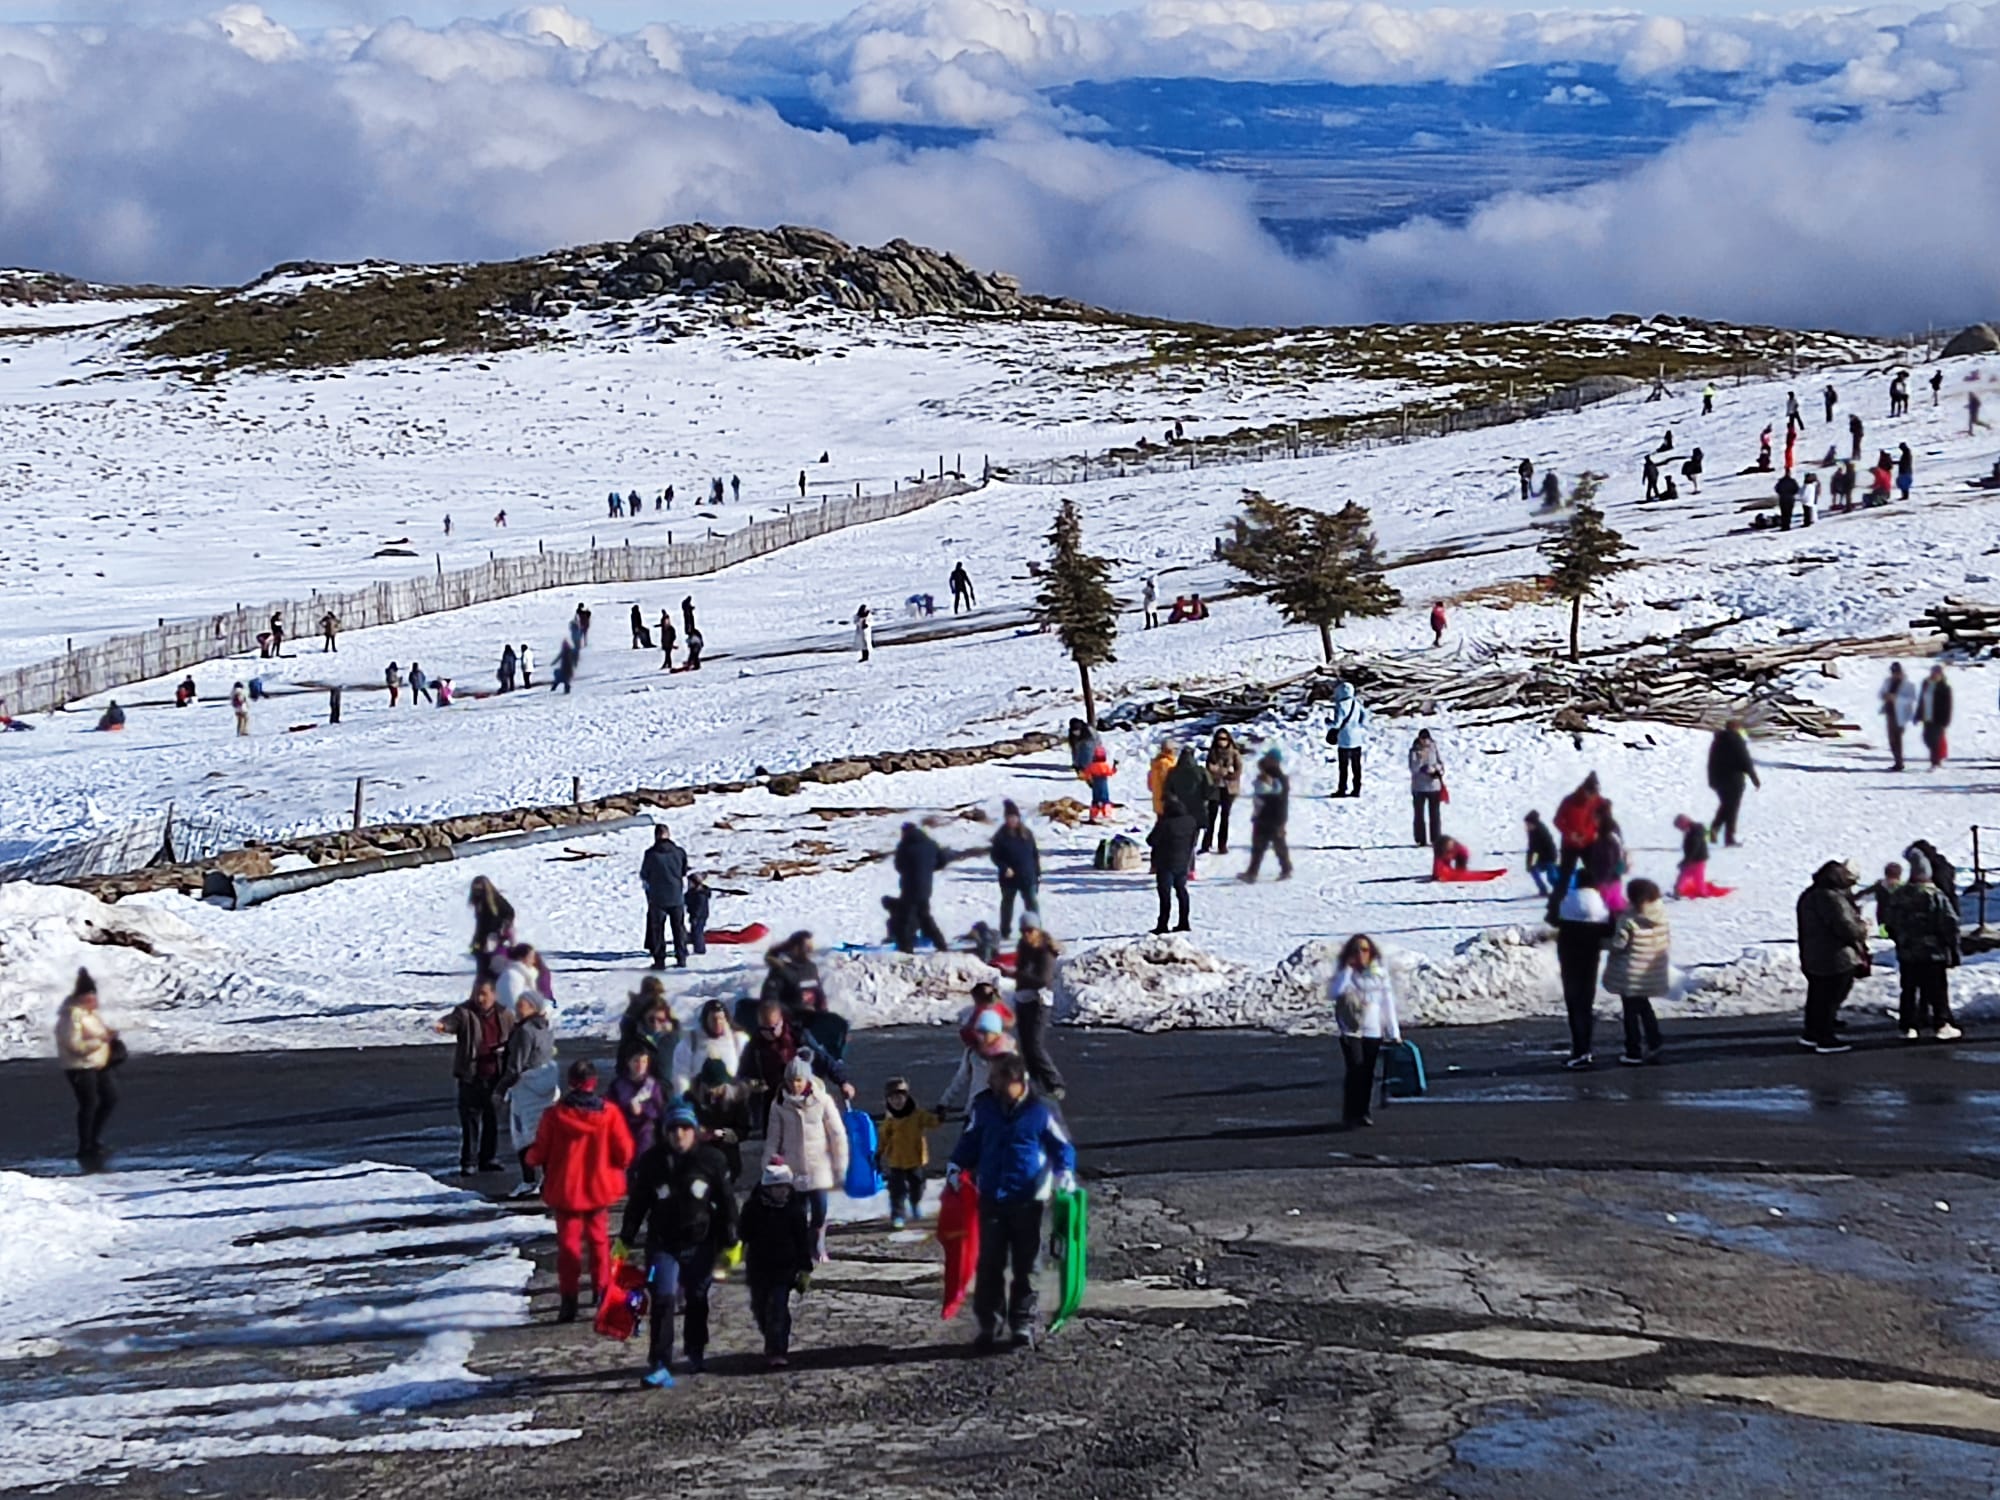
column 904, row 1151
column 776, row 1229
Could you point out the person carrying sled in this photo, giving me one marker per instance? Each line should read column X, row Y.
column 1019, row 1152
column 777, row 1257
column 681, row 1198
column 1730, row 768
column 1833, row 952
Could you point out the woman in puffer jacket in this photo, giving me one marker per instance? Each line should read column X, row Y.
column 710, row 1039
column 531, row 1081
column 1364, row 1005
column 1639, row 968
column 87, row 1048
column 808, row 1135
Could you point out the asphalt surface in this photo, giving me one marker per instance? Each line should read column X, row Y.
column 1735, row 1094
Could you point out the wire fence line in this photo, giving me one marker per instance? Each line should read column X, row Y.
column 140, row 656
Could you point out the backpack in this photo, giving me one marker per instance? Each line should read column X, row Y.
column 1403, row 1071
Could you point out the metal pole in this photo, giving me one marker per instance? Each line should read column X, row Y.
column 1979, row 874
column 358, row 783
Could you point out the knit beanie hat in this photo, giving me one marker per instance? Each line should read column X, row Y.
column 1920, row 867
column 777, row 1174
column 714, row 1073
column 799, row 1070
column 679, row 1117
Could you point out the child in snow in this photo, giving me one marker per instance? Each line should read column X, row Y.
column 1099, row 773
column 1543, row 862
column 1884, row 892
column 905, row 1151
column 1447, row 855
column 776, row 1229
column 1692, row 880
column 1638, row 969
column 697, row 897
column 989, row 1040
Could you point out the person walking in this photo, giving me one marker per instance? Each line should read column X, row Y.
column 918, row 860
column 777, row 1257
column 1924, row 923
column 1708, row 400
column 479, row 1029
column 1427, row 788
column 805, row 1130
column 1017, row 1147
column 1172, row 843
column 641, row 636
column 583, row 1150
column 1934, row 714
column 1270, row 813
column 1149, row 601
column 529, row 1080
column 1364, row 1007
column 864, row 632
column 1583, row 928
column 1899, row 704
column 527, row 661
column 682, row 1199
column 1020, row 865
column 1833, row 952
column 1438, row 623
column 1348, row 734
column 1730, row 767
column 1832, row 399
column 239, row 705
column 663, row 877
column 1639, row 969
column 392, row 679
column 669, row 637
column 89, row 1052
column 420, row 685
column 329, row 632
column 1034, row 1000
column 1224, row 767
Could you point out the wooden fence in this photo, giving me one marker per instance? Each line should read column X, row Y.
column 141, row 656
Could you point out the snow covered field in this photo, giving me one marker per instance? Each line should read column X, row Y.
column 373, row 960
column 343, row 1304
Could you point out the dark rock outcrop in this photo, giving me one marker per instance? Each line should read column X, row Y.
column 1980, row 338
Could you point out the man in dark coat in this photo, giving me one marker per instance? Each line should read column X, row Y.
column 1729, row 767
column 918, row 859
column 681, row 1197
column 1172, row 841
column 1188, row 781
column 1020, row 865
column 1833, row 951
column 663, row 874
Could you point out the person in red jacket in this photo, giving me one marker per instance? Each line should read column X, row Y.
column 1577, row 817
column 1437, row 623
column 583, row 1149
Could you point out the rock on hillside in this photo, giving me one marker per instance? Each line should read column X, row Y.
column 1980, row 338
column 788, row 264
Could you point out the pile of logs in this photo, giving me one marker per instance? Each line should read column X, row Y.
column 1964, row 623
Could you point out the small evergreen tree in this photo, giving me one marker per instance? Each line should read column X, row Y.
column 1317, row 569
column 1583, row 554
column 1077, row 602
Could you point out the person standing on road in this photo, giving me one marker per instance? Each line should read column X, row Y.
column 1224, row 767
column 89, row 1051
column 1426, row 791
column 1833, row 952
column 663, row 875
column 1639, row 969
column 1270, row 814
column 1019, row 1151
column 1348, row 734
column 1020, row 865
column 1583, row 928
column 1172, row 843
column 1898, row 700
column 1934, row 713
column 918, row 860
column 1730, row 766
column 1924, row 922
column 682, row 1199
column 1034, row 1001
column 479, row 1029
column 529, row 1081
column 1364, row 1006
column 584, row 1151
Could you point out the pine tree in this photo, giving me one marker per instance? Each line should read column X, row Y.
column 1317, row 569
column 1077, row 602
column 1583, row 554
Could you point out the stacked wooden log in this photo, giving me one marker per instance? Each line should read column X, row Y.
column 1964, row 623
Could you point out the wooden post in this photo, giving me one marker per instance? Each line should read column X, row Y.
column 440, row 563
column 358, row 784
column 576, row 790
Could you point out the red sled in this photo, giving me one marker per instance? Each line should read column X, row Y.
column 958, row 1234
column 1451, row 876
column 730, row 937
column 624, row 1306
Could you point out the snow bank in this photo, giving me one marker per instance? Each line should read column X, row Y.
column 904, row 989
column 46, row 1256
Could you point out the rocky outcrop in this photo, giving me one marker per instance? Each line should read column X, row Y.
column 1980, row 338
column 785, row 265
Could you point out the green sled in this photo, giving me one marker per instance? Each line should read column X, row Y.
column 1069, row 1237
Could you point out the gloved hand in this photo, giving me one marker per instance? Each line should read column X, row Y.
column 1066, row 1182
column 732, row 1256
column 802, row 1283
column 620, row 1250
column 951, row 1175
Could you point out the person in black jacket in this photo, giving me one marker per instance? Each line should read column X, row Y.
column 777, row 1257
column 680, row 1196
column 1020, row 866
column 1034, row 996
column 1583, row 928
column 918, row 859
column 791, row 978
column 663, row 874
column 1172, row 841
column 1729, row 768
column 1833, row 951
column 1934, row 714
column 1270, row 811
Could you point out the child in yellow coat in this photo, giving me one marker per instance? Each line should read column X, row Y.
column 905, row 1151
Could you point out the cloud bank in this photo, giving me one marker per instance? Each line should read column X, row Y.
column 206, row 149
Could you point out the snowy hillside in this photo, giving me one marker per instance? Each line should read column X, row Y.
column 146, row 489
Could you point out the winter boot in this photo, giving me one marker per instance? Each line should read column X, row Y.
column 566, row 1313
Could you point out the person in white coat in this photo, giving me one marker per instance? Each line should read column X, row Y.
column 1364, row 1005
column 1897, row 702
column 1348, row 734
column 527, row 661
column 710, row 1039
column 864, row 631
column 807, row 1134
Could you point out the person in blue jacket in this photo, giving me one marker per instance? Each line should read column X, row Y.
column 1348, row 734
column 1018, row 1150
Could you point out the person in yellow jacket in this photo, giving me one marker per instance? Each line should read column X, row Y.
column 1164, row 760
column 88, row 1049
column 904, row 1151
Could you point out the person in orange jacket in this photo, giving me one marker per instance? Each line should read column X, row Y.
column 583, row 1149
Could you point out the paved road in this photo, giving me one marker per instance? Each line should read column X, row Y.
column 1735, row 1094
